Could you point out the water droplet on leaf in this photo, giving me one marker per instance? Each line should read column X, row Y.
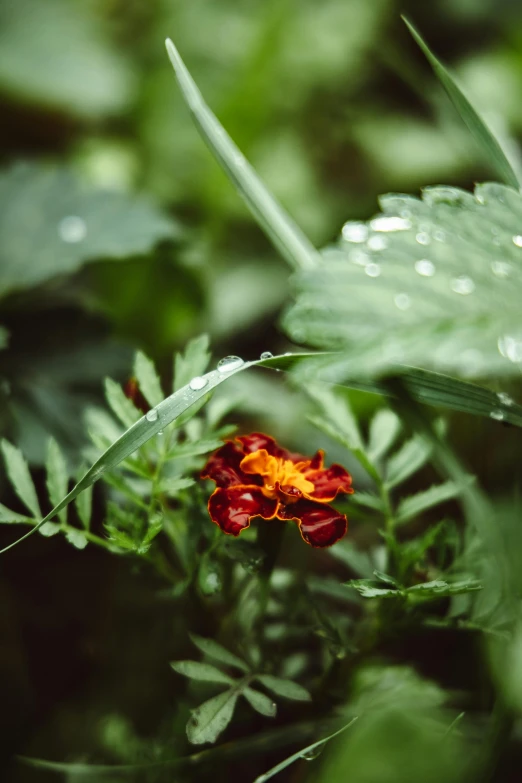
column 390, row 223
column 266, row 355
column 517, row 240
column 312, row 754
column 229, row 363
column 462, row 285
column 72, row 229
column 197, row 383
column 372, row 270
column 504, row 398
column 425, row 267
column 377, row 242
column 423, row 238
column 498, row 415
column 152, row 415
column 402, row 301
column 501, row 268
column 354, row 232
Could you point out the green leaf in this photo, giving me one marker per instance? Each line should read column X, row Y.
column 305, row 753
column 76, row 538
column 57, row 477
column 212, row 717
column 285, row 688
column 210, row 575
column 9, row 517
column 148, row 379
column 384, row 429
column 20, row 478
column 260, row 702
column 387, row 579
column 70, row 225
column 439, row 289
column 489, row 145
column 355, row 559
column 412, row 455
column 367, row 500
column 201, row 671
column 83, row 503
column 438, row 588
column 195, row 449
column 47, row 49
column 49, row 529
column 285, row 235
column 370, row 588
column 414, row 505
column 120, row 405
column 173, row 486
column 218, row 652
column 192, row 362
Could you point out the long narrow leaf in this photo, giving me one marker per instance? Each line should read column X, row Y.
column 281, row 229
column 476, row 125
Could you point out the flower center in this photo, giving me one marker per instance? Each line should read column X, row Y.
column 281, row 477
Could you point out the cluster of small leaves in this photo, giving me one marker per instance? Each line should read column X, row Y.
column 212, row 717
column 57, row 482
column 386, row 586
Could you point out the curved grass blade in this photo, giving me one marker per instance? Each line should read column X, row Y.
column 309, row 752
column 476, row 125
column 429, row 388
column 287, row 237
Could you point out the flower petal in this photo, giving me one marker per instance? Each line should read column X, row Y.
column 223, row 467
column 328, row 482
column 258, row 440
column 319, row 525
column 233, row 507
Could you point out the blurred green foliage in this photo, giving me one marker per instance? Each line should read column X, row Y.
column 119, row 232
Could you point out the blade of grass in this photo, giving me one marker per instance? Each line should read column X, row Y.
column 287, row 237
column 476, row 125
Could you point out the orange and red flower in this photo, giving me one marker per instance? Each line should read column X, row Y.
column 258, row 478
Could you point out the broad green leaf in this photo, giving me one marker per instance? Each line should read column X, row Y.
column 20, row 478
column 412, row 455
column 83, row 503
column 11, row 517
column 148, row 379
column 436, row 283
column 285, row 688
column 76, row 538
column 260, row 702
column 489, row 145
column 201, row 671
column 384, row 429
column 307, row 753
column 120, row 404
column 71, row 224
column 192, row 362
column 48, row 49
column 212, row 717
column 57, row 477
column 218, row 652
column 413, row 505
column 284, row 233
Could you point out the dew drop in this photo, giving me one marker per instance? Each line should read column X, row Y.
column 358, row 257
column 160, row 433
column 402, row 301
column 504, row 398
column 425, row 267
column 517, row 240
column 197, row 383
column 313, row 753
column 229, row 363
column 266, row 355
column 354, row 232
column 423, row 238
column 498, row 415
column 501, row 268
column 377, row 243
column 152, row 415
column 510, row 348
column 72, row 229
column 462, row 285
column 372, row 270
column 390, row 223
column 439, row 235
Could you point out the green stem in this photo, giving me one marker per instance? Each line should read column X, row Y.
column 269, row 537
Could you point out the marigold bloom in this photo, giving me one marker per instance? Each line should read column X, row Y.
column 255, row 477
